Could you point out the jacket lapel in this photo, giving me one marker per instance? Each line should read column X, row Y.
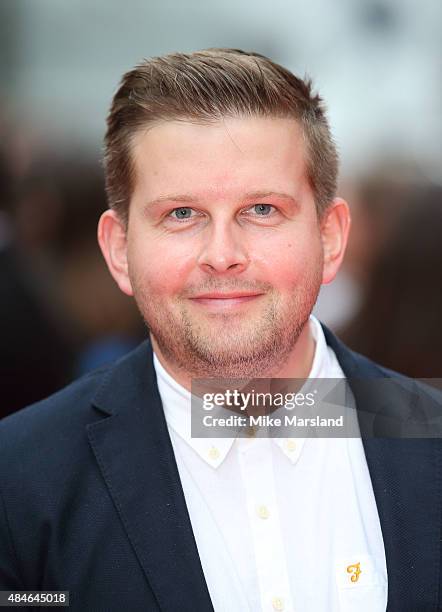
column 406, row 476
column 136, row 458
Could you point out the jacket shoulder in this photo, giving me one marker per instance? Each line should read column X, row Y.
column 424, row 389
column 52, row 420
column 401, row 397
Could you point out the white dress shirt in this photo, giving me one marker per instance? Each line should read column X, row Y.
column 280, row 524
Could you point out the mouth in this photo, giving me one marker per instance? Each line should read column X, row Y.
column 224, row 301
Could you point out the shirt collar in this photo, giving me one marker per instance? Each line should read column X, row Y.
column 176, row 401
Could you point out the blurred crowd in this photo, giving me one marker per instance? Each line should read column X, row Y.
column 395, row 258
column 62, row 315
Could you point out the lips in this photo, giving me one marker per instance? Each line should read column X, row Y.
column 224, row 301
column 225, row 296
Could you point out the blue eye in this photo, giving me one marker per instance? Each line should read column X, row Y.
column 182, row 213
column 263, row 209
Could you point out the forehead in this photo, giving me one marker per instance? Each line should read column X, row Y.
column 221, row 157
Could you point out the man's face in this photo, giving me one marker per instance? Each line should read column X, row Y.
column 224, row 248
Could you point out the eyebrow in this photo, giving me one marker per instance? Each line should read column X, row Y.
column 190, row 199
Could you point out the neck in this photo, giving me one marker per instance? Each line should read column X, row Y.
column 297, row 365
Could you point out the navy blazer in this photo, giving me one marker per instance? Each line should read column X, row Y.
column 91, row 500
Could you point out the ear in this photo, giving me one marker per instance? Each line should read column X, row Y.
column 113, row 243
column 335, row 226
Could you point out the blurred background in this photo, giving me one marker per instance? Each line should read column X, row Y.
column 377, row 63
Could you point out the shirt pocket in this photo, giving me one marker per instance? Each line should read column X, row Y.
column 362, row 584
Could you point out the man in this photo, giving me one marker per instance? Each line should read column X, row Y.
column 223, row 224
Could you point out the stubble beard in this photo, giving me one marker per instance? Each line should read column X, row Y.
column 234, row 346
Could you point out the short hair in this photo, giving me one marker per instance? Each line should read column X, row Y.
column 206, row 86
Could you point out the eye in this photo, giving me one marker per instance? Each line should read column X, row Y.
column 182, row 213
column 263, row 210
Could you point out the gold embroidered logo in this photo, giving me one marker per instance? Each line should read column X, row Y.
column 355, row 570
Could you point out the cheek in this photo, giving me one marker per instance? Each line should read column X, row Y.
column 289, row 262
column 159, row 269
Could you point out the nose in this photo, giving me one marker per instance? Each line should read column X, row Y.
column 224, row 249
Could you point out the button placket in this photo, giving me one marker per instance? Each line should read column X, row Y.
column 257, row 471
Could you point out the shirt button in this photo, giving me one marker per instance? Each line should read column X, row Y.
column 263, row 512
column 213, row 453
column 290, row 445
column 277, row 603
column 251, row 431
